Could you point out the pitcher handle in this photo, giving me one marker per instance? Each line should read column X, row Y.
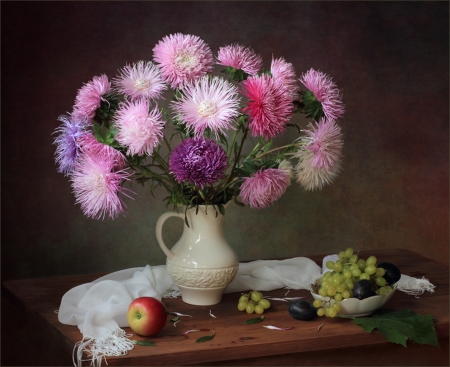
column 159, row 226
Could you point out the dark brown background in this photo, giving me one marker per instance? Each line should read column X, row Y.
column 389, row 58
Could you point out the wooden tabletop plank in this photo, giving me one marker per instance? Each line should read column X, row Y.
column 234, row 340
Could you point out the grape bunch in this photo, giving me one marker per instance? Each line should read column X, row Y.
column 351, row 276
column 253, row 302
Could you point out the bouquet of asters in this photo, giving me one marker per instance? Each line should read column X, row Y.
column 193, row 147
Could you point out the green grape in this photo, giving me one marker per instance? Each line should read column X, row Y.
column 264, row 303
column 242, row 306
column 361, row 264
column 330, row 264
column 250, row 308
column 342, row 255
column 347, row 273
column 346, row 294
column 256, row 296
column 331, row 291
column 353, row 259
column 372, row 260
column 380, row 281
column 364, row 276
column 332, row 312
column 370, row 269
column 354, row 267
column 317, row 303
column 380, row 272
column 338, row 297
column 350, row 284
column 337, row 307
column 348, row 252
column 321, row 311
column 323, row 292
column 341, row 287
column 356, row 272
column 338, row 266
column 243, row 298
column 259, row 309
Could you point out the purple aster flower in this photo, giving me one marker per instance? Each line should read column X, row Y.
column 182, row 58
column 269, row 105
column 97, row 185
column 326, row 92
column 320, row 159
column 90, row 96
column 198, row 161
column 67, row 148
column 208, row 103
column 285, row 73
column 264, row 187
column 240, row 57
column 140, row 80
column 139, row 128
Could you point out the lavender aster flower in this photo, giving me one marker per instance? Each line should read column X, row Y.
column 198, row 161
column 285, row 73
column 67, row 148
column 326, row 92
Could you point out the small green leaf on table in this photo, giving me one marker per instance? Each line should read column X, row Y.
column 205, row 338
column 144, row 343
column 399, row 326
column 254, row 320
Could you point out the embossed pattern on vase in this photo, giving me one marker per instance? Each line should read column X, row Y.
column 202, row 278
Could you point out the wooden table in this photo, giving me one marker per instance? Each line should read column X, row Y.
column 339, row 341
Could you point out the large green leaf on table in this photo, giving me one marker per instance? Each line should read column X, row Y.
column 398, row 327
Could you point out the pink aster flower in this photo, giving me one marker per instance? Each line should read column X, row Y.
column 89, row 145
column 97, row 185
column 139, row 129
column 90, row 96
column 140, row 80
column 240, row 57
column 285, row 73
column 264, row 187
column 182, row 58
column 325, row 141
column 320, row 159
column 269, row 105
column 326, row 92
column 208, row 103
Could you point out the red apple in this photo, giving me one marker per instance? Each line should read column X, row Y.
column 147, row 316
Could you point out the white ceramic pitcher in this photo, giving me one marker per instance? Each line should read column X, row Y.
column 202, row 263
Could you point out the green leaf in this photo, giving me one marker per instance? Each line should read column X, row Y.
column 175, row 319
column 144, row 343
column 254, row 320
column 205, row 338
column 398, row 327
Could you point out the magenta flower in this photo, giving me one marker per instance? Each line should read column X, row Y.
column 182, row 58
column 140, row 80
column 320, row 159
column 269, row 105
column 284, row 72
column 326, row 92
column 264, row 187
column 198, row 161
column 208, row 103
column 240, row 57
column 90, row 96
column 67, row 147
column 97, row 185
column 89, row 145
column 139, row 128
